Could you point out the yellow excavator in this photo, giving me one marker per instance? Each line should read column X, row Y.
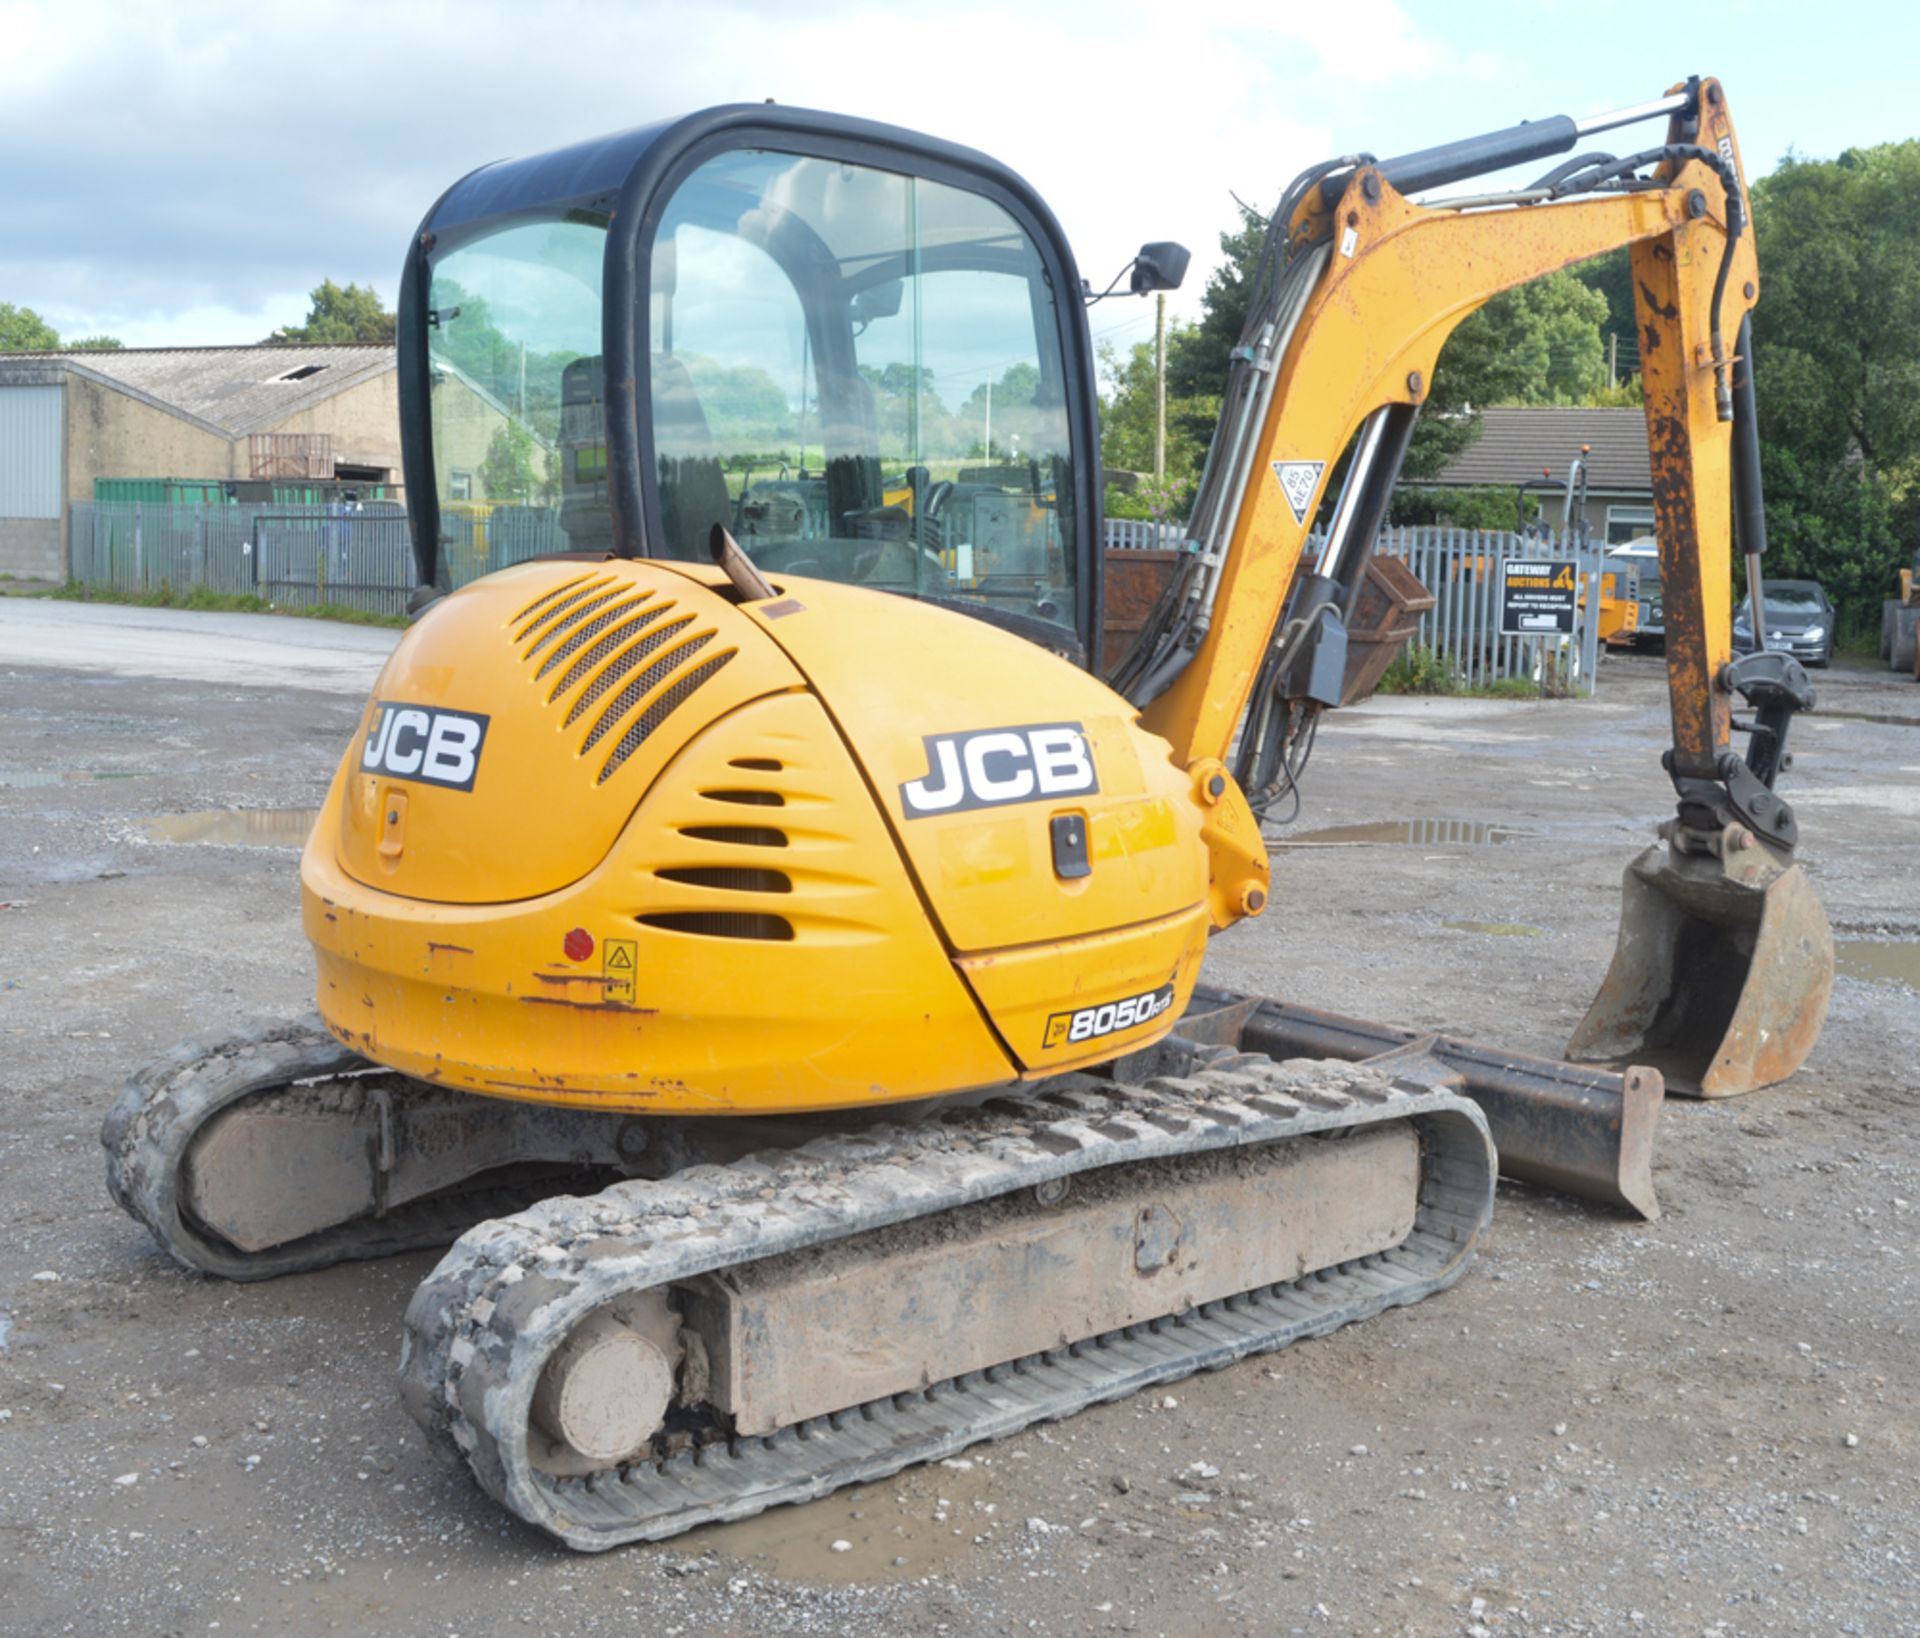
column 786, row 950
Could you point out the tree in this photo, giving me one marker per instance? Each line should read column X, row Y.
column 22, row 330
column 514, row 469
column 1836, row 345
column 1612, row 276
column 1197, row 360
column 1544, row 342
column 1126, row 429
column 745, row 408
column 341, row 314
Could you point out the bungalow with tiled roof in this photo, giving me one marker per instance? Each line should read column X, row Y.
column 1522, row 444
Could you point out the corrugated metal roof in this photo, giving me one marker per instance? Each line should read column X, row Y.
column 233, row 390
column 1516, row 443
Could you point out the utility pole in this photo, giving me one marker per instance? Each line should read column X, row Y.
column 1613, row 359
column 1160, row 388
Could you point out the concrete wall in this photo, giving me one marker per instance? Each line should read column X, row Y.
column 33, row 548
column 363, row 421
column 110, row 435
column 464, row 425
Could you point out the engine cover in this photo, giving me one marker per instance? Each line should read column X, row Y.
column 609, row 835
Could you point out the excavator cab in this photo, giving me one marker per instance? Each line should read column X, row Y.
column 861, row 352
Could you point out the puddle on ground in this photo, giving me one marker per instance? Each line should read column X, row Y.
column 33, row 779
column 1871, row 716
column 1879, row 960
column 1497, row 929
column 929, row 1517
column 235, row 827
column 1411, row 833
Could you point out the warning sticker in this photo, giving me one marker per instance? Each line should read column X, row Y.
column 616, row 965
column 1298, row 481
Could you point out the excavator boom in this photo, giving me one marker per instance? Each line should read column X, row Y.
column 1724, row 962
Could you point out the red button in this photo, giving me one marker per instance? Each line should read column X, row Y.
column 579, row 944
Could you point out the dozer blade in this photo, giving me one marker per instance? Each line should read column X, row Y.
column 1577, row 1131
column 1723, row 969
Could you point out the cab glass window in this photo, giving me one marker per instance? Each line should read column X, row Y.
column 859, row 373
column 514, row 361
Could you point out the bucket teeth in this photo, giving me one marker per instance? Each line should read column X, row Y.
column 1723, row 968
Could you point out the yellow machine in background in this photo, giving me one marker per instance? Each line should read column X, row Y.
column 660, row 870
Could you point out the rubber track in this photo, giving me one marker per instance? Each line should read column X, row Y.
column 167, row 1102
column 482, row 1325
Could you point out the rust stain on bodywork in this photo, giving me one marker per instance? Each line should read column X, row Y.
column 588, row 1006
column 1698, row 707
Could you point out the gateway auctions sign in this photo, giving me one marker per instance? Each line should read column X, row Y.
column 1538, row 599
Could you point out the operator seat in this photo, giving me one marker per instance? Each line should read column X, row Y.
column 693, row 487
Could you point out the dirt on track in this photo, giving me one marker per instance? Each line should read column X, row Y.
column 1706, row 1424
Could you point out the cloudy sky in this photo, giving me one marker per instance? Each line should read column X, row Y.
column 186, row 172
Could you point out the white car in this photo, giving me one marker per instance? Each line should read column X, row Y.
column 1642, row 558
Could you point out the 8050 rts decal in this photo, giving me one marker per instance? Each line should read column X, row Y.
column 988, row 766
column 424, row 743
column 1106, row 1018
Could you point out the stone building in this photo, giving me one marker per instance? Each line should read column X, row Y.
column 235, row 415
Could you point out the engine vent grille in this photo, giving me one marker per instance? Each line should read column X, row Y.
column 546, row 597
column 551, row 613
column 608, row 643
column 585, row 631
column 669, row 700
column 737, row 835
column 721, row 923
column 615, row 638
column 729, row 878
column 622, row 663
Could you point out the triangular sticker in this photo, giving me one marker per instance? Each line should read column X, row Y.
column 1298, row 481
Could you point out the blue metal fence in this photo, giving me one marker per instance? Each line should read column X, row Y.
column 360, row 556
column 300, row 556
column 1465, row 569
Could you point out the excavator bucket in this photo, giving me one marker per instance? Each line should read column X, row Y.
column 1723, row 969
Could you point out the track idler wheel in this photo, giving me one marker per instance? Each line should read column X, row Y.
column 1723, row 969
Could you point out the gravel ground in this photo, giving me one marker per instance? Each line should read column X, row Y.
column 1702, row 1425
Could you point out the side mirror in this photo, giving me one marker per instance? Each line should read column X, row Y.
column 880, row 301
column 1159, row 266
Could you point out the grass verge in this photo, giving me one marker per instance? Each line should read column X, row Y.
column 164, row 596
column 1418, row 670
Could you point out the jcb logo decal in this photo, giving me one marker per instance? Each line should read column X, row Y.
column 1108, row 1018
column 424, row 744
column 991, row 766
